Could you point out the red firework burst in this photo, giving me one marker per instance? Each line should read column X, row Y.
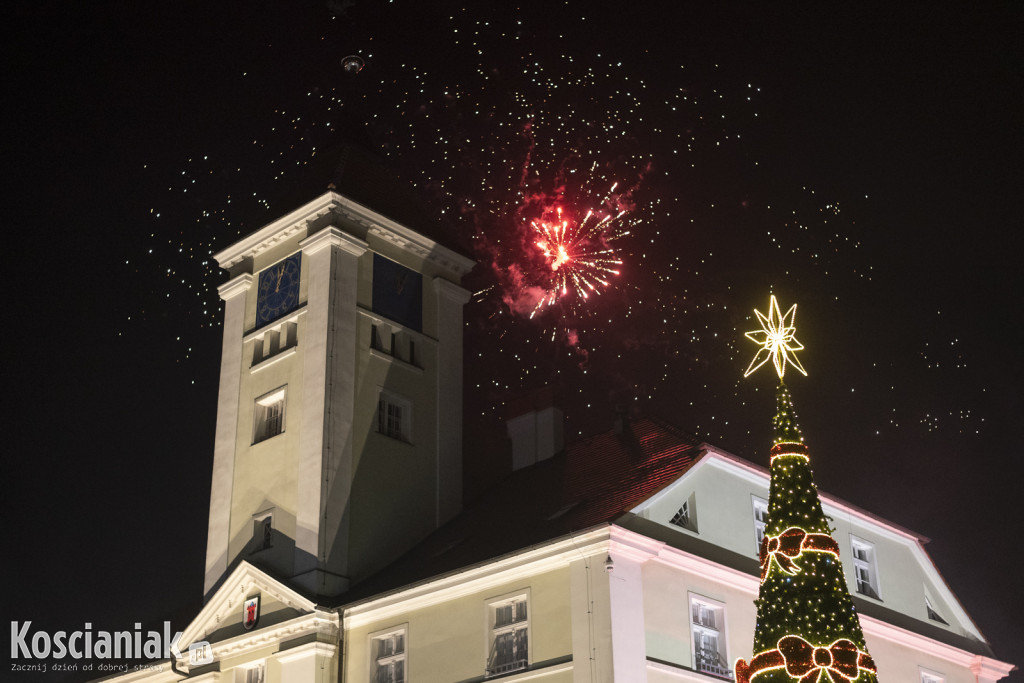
column 579, row 253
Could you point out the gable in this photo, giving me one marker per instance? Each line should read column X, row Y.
column 718, row 494
column 281, row 612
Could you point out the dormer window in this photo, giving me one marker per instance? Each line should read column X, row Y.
column 864, row 567
column 932, row 614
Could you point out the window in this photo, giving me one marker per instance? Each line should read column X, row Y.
column 682, row 516
column 254, row 673
column 864, row 567
column 375, row 342
column 394, row 416
column 932, row 614
column 685, row 517
column 708, row 626
column 263, row 531
column 760, row 519
column 931, row 677
column 509, row 635
column 269, row 415
column 388, row 653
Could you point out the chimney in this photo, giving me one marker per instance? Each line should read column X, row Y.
column 535, row 427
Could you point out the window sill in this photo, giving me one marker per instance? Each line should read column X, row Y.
column 392, row 360
column 290, row 317
column 267, row 362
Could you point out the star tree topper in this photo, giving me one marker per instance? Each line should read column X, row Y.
column 777, row 340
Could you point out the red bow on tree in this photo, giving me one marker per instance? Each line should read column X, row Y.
column 789, row 544
column 842, row 661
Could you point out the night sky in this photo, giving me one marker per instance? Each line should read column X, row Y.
column 862, row 162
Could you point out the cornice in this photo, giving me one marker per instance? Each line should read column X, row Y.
column 235, row 286
column 333, row 237
column 901, row 636
column 480, row 578
column 274, row 233
column 325, row 624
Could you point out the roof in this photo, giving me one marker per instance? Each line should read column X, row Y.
column 593, row 481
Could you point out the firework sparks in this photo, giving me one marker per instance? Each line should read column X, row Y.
column 577, row 252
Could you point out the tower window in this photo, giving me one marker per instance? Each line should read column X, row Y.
column 268, row 420
column 864, row 567
column 931, row 677
column 262, row 531
column 708, row 627
column 394, row 416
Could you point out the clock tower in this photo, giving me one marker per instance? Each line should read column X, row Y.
column 339, row 414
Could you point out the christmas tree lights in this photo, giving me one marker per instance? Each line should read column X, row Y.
column 807, row 627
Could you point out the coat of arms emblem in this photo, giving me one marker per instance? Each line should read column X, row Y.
column 250, row 612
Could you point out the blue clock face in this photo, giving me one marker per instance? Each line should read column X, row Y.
column 278, row 292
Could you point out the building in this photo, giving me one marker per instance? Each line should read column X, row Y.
column 340, row 550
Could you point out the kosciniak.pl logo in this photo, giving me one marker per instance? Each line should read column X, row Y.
column 90, row 644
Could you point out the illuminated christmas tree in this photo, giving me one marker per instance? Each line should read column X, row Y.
column 807, row 627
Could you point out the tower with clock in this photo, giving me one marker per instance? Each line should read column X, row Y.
column 340, row 396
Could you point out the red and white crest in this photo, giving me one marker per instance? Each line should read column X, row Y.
column 250, row 612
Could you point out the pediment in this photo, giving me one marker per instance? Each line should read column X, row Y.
column 222, row 617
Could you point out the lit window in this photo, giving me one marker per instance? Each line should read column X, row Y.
column 509, row 636
column 931, row 677
column 760, row 519
column 388, row 653
column 708, row 625
column 394, row 416
column 269, row 415
column 932, row 614
column 864, row 567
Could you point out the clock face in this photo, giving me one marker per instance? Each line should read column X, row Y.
column 278, row 291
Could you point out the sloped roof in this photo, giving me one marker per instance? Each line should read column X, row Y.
column 593, row 481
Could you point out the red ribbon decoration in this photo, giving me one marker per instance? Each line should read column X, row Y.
column 788, row 545
column 841, row 660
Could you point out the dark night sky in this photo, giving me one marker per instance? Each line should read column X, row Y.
column 907, row 118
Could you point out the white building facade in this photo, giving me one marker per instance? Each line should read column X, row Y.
column 340, row 551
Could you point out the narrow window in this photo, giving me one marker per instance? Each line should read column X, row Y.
column 708, row 626
column 509, row 635
column 263, row 533
column 864, row 567
column 760, row 520
column 269, row 415
column 388, row 657
column 931, row 677
column 375, row 338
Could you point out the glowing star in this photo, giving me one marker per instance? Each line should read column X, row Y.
column 777, row 339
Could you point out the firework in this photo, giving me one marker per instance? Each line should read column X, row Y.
column 578, row 253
